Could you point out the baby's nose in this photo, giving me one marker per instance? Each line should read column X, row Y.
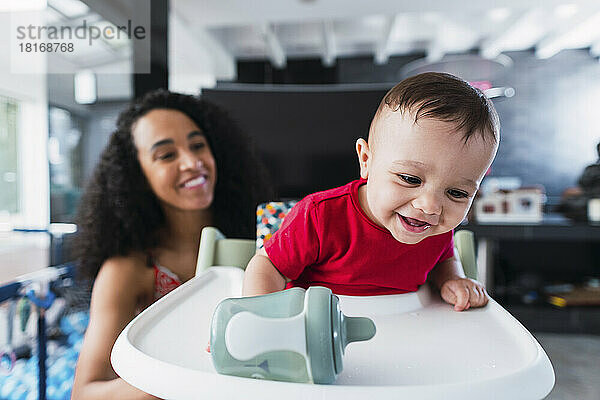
column 428, row 203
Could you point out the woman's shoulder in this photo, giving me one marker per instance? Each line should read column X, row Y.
column 128, row 273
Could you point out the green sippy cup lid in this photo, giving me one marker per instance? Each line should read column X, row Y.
column 346, row 330
column 328, row 332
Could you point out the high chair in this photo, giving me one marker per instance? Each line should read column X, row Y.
column 464, row 243
column 422, row 349
column 215, row 249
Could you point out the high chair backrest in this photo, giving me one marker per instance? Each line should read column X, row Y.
column 215, row 249
column 464, row 241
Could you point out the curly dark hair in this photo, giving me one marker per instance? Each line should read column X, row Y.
column 119, row 213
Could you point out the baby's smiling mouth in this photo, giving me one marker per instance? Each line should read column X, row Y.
column 414, row 222
column 414, row 225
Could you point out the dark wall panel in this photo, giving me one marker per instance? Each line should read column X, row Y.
column 307, row 139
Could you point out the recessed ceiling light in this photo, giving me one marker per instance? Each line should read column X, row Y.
column 498, row 14
column 22, row 5
column 566, row 10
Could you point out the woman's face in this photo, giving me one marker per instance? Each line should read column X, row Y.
column 176, row 159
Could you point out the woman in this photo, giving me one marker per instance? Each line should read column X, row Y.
column 174, row 165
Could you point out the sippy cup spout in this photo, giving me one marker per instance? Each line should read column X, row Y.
column 358, row 329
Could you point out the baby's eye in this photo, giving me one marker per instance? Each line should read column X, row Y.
column 412, row 180
column 458, row 194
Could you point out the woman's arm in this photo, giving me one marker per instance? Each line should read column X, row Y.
column 117, row 290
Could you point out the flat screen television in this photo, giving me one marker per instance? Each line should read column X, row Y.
column 305, row 135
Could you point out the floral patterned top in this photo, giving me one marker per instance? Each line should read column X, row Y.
column 164, row 281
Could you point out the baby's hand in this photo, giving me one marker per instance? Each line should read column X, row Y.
column 464, row 293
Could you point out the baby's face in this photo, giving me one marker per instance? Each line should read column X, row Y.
column 421, row 177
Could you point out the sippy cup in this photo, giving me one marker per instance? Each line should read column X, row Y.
column 295, row 335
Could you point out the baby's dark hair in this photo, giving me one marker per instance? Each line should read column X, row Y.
column 119, row 213
column 445, row 97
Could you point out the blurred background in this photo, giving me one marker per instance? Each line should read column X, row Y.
column 303, row 78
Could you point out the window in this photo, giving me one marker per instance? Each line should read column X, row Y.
column 9, row 179
column 64, row 155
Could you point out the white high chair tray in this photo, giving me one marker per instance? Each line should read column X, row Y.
column 422, row 350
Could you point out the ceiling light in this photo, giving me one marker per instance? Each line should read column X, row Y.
column 566, row 10
column 577, row 37
column 469, row 67
column 85, row 87
column 498, row 14
column 22, row 5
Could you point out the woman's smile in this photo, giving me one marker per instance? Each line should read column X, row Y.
column 195, row 182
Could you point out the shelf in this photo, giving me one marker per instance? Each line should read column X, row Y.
column 547, row 318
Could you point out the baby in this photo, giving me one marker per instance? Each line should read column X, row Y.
column 430, row 143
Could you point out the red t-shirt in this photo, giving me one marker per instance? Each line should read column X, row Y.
column 328, row 240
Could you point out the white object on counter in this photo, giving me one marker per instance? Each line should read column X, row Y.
column 593, row 210
column 523, row 205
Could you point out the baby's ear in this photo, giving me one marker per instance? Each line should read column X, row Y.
column 364, row 157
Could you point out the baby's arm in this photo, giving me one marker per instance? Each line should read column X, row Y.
column 261, row 276
column 455, row 288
